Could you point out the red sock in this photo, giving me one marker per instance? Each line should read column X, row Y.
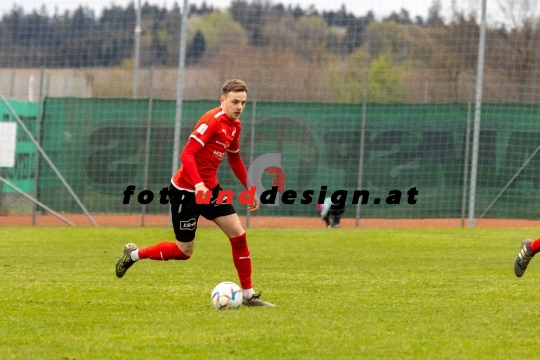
column 162, row 251
column 241, row 259
column 535, row 246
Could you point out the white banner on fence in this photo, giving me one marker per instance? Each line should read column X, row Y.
column 8, row 135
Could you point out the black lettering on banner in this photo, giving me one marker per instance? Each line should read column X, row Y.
column 307, row 197
column 394, row 197
column 339, row 198
column 322, row 195
column 269, row 196
column 145, row 197
column 363, row 193
column 288, row 197
column 163, row 194
column 412, row 193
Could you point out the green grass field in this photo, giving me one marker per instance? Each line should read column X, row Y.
column 340, row 293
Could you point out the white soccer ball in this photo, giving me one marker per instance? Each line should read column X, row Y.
column 227, row 296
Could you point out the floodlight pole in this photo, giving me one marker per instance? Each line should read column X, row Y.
column 136, row 56
column 46, row 157
column 180, row 88
column 362, row 145
column 466, row 154
column 38, row 139
column 179, row 92
column 252, row 135
column 148, row 139
column 477, row 113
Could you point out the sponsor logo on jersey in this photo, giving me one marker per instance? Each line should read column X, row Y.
column 225, row 145
column 218, row 154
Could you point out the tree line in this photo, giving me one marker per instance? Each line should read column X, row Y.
column 82, row 39
column 339, row 39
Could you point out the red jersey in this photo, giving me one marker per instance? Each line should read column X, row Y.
column 217, row 134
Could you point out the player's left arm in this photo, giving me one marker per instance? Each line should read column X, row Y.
column 235, row 160
column 238, row 167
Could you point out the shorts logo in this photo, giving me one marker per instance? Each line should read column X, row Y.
column 188, row 225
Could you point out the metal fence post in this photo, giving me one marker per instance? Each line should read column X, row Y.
column 180, row 87
column 179, row 91
column 477, row 113
column 467, row 151
column 252, row 137
column 148, row 136
column 362, row 144
column 136, row 56
column 38, row 139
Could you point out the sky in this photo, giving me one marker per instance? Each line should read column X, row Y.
column 381, row 8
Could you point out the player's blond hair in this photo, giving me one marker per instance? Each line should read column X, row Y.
column 234, row 85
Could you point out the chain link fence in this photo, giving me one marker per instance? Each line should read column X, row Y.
column 352, row 102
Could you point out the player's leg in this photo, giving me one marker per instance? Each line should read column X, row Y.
column 337, row 217
column 125, row 261
column 224, row 215
column 184, row 218
column 526, row 252
column 327, row 221
column 232, row 227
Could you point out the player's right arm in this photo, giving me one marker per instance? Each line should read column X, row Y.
column 197, row 140
column 190, row 166
column 188, row 162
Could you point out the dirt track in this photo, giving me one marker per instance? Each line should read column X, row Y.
column 255, row 221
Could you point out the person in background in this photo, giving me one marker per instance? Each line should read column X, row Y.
column 330, row 213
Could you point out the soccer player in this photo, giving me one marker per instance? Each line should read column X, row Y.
column 216, row 134
column 330, row 212
column 528, row 249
